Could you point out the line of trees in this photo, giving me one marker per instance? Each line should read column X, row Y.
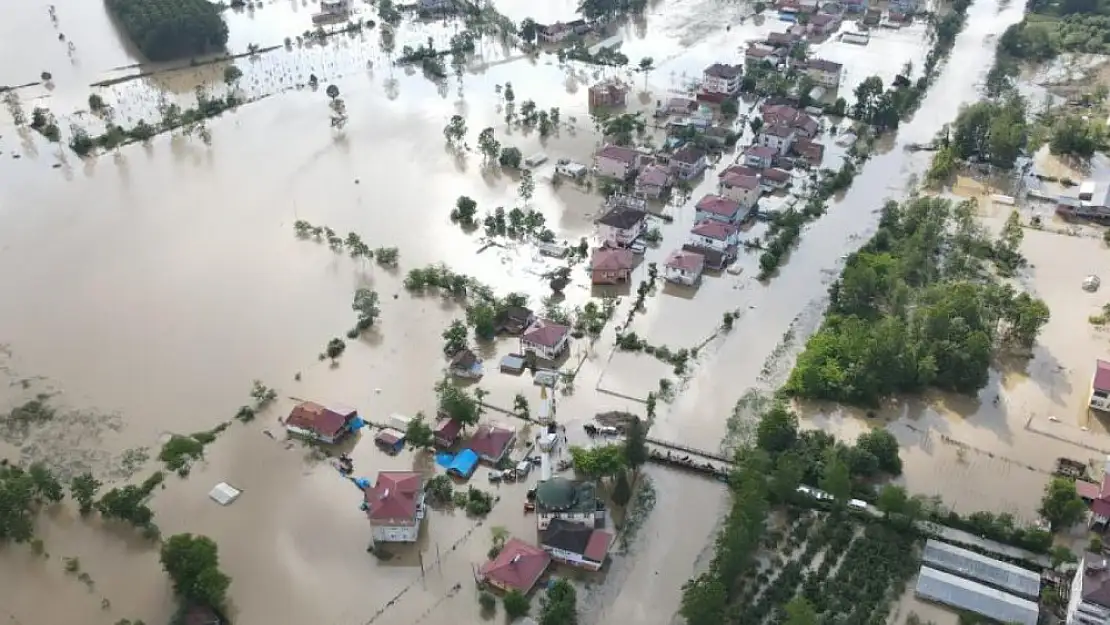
column 904, row 317
column 171, row 29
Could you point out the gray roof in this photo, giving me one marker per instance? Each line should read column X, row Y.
column 996, row 573
column 972, row 596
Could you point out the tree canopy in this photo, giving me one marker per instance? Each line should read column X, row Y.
column 193, row 563
column 171, row 29
column 905, row 316
column 1061, row 505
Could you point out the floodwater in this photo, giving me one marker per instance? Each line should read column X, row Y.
column 148, row 288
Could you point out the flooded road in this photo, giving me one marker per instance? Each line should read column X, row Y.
column 149, row 287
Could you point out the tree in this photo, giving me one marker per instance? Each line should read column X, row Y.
column 756, row 124
column 527, row 186
column 47, row 488
column 560, row 605
column 646, row 65
column 96, row 103
column 165, row 30
column 488, row 144
column 520, row 405
column 635, row 444
column 439, row 489
column 882, row 444
column 730, row 108
column 510, row 157
column 704, row 600
column 455, row 129
column 232, row 74
column 528, row 30
column 193, row 564
column 418, row 434
column 484, row 319
column 622, row 490
column 454, row 338
column 1061, row 505
column 83, row 488
column 868, row 96
column 800, row 612
column 777, row 430
column 127, row 503
column 335, row 348
column 892, row 500
column 598, row 462
column 516, row 604
column 16, row 505
column 464, row 211
column 457, row 404
column 366, row 305
column 789, row 471
column 835, row 478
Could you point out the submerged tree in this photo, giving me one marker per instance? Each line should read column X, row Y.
column 455, row 130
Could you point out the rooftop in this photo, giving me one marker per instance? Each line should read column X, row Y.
column 822, row 65
column 760, row 151
column 726, row 72
column 562, row 495
column 612, row 259
column 518, row 566
column 1102, row 375
column 655, row 175
column 1001, row 575
column 618, row 153
column 778, row 130
column 741, row 181
column 1096, row 580
column 463, row 359
column 718, row 205
column 577, row 538
column 714, row 230
column 688, row 155
column 545, row 333
column 622, row 218
column 968, row 595
column 686, row 261
column 490, row 441
column 740, row 170
column 394, row 498
column 776, row 175
column 322, row 420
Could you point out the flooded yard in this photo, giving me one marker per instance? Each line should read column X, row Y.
column 147, row 288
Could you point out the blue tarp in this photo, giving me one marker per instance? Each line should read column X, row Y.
column 464, row 464
column 362, row 483
column 356, row 424
column 445, row 459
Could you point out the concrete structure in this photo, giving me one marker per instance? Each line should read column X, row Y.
column 684, row 267
column 615, row 161
column 822, row 24
column 722, row 237
column 965, row 594
column 1100, row 386
column 719, row 208
column 546, row 339
column 608, row 93
column 824, row 73
column 689, row 162
column 395, row 506
column 759, row 53
column 622, row 225
column 803, row 125
column 744, row 190
column 446, row 432
column 576, row 544
column 323, row 424
column 465, row 364
column 1089, row 599
column 759, row 156
column 778, row 137
column 491, row 442
column 722, row 79
column 653, row 181
column 773, row 179
column 810, row 151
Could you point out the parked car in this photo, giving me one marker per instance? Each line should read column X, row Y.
column 638, row 247
column 523, row 468
column 858, row 504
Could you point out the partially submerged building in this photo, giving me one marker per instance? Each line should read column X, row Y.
column 965, row 594
column 546, row 339
column 323, row 424
column 569, row 500
column 576, row 544
column 395, row 506
column 491, row 442
column 1100, row 387
column 1089, row 599
column 985, row 570
column 518, row 566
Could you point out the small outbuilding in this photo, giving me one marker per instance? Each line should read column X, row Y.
column 390, row 440
column 446, row 432
column 465, row 364
column 464, row 464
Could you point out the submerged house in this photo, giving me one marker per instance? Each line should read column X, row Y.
column 684, row 267
column 576, row 544
column 546, row 339
column 465, row 364
column 611, row 265
column 446, row 432
column 518, row 566
column 568, row 500
column 322, row 424
column 491, row 442
column 395, row 506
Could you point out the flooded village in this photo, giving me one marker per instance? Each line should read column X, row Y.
column 495, row 312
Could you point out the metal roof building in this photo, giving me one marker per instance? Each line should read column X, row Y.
column 975, row 597
column 1001, row 575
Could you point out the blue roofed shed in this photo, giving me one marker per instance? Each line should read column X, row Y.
column 463, row 464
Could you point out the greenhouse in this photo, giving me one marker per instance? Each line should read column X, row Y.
column 980, row 568
column 972, row 596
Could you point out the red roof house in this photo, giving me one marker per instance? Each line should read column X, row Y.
column 546, row 339
column 610, row 265
column 320, row 423
column 684, row 267
column 1100, row 386
column 491, row 442
column 576, row 544
column 517, row 567
column 446, row 431
column 395, row 506
column 718, row 208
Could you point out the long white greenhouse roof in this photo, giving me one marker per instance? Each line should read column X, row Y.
column 1001, row 575
column 975, row 597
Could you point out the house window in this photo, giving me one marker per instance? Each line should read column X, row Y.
column 1102, row 394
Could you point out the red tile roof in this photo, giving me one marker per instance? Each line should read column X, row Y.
column 318, row 419
column 714, row 230
column 781, row 131
column 1087, row 490
column 718, row 205
column 1102, row 376
column 618, row 153
column 1100, row 507
column 447, row 429
column 741, row 181
column 598, row 545
column 760, row 151
column 612, row 259
column 394, row 498
column 654, row 175
column 776, row 175
column 490, row 441
column 739, row 170
column 518, row 566
column 686, row 261
column 545, row 333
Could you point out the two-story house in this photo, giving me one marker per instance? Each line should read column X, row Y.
column 616, row 161
column 786, row 115
column 684, row 267
column 395, row 506
column 714, row 207
column 576, row 544
column 739, row 188
column 758, row 54
column 608, row 93
column 822, row 24
column 568, row 500
column 611, row 265
column 624, row 222
column 653, row 181
column 722, row 79
column 810, row 151
column 715, row 235
column 778, row 137
column 759, row 156
column 546, row 339
column 825, row 73
column 689, row 162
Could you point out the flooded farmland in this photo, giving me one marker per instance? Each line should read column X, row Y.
column 147, row 288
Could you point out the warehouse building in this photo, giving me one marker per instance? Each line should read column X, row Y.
column 972, row 596
column 994, row 573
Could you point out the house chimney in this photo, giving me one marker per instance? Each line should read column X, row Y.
column 385, row 493
column 516, row 559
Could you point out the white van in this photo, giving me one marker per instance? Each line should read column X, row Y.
column 858, row 504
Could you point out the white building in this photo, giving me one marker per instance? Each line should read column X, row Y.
column 721, row 78
column 1089, row 603
column 778, row 137
column 546, row 339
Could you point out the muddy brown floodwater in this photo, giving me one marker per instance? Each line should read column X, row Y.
column 147, row 288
